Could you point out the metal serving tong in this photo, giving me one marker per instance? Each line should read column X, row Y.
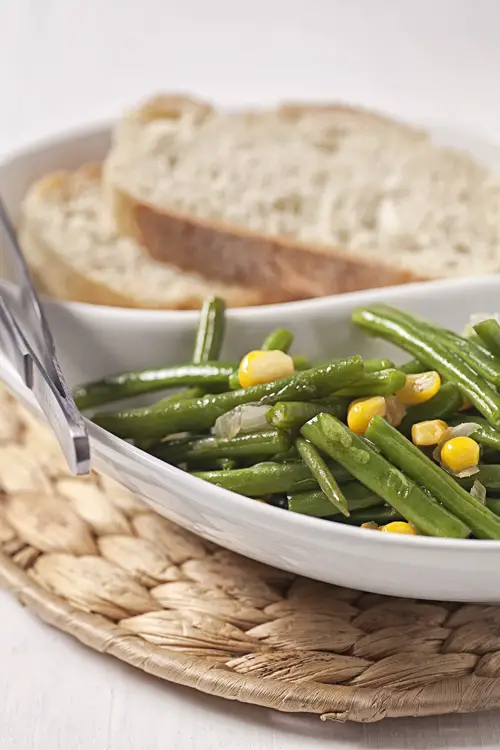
column 26, row 339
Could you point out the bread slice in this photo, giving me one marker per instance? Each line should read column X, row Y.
column 308, row 200
column 75, row 253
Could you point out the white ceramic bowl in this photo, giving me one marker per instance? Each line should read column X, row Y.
column 412, row 567
column 94, row 341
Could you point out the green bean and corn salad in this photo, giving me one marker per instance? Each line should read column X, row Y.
column 411, row 449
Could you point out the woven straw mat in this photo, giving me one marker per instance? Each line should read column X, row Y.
column 90, row 559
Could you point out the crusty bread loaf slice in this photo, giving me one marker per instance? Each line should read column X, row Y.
column 313, row 200
column 75, row 253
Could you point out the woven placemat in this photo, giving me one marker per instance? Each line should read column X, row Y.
column 90, row 559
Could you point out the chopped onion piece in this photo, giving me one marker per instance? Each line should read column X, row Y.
column 467, row 472
column 175, row 436
column 396, row 411
column 245, row 418
column 463, row 430
column 476, row 318
column 436, row 453
column 478, row 491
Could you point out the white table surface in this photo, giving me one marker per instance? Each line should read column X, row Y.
column 64, row 62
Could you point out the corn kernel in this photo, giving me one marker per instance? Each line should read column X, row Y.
column 419, row 388
column 263, row 367
column 460, row 453
column 370, row 525
column 399, row 527
column 362, row 410
column 430, row 432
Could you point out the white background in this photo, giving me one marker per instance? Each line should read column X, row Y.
column 65, row 62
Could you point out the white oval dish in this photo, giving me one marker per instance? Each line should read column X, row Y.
column 94, row 341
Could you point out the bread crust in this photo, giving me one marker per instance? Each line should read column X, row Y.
column 284, row 269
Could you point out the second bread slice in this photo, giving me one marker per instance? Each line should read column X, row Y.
column 75, row 253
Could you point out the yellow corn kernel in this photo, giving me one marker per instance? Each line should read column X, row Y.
column 430, row 432
column 370, row 525
column 263, row 367
column 460, row 453
column 362, row 410
column 399, row 527
column 419, row 388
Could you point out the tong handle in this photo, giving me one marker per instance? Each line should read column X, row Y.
column 27, row 340
column 71, row 435
column 13, row 344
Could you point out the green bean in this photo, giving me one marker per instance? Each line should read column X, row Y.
column 493, row 503
column 470, row 349
column 376, row 473
column 210, row 334
column 488, row 455
column 447, row 401
column 211, row 464
column 301, row 362
column 208, row 342
column 320, row 471
column 376, row 365
column 212, row 376
column 380, row 515
column 196, row 415
column 312, row 503
column 435, row 351
column 194, row 392
column 383, row 383
column 373, row 364
column 489, row 335
column 407, row 457
column 315, row 502
column 488, row 475
column 413, row 367
column 280, row 339
column 291, row 415
column 476, row 355
column 255, row 444
column 289, row 455
column 269, row 478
